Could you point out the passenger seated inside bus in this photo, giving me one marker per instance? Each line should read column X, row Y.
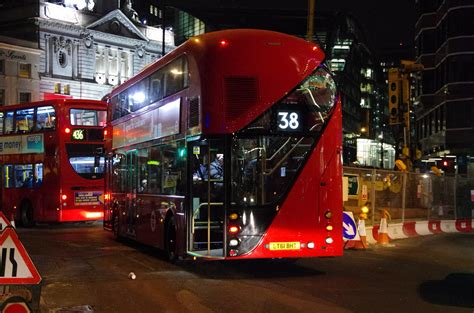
column 28, row 183
column 215, row 168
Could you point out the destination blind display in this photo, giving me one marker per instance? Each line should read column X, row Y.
column 289, row 120
column 78, row 134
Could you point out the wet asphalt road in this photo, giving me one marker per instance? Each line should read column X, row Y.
column 81, row 264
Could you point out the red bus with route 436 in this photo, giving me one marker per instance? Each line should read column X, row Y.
column 229, row 147
column 51, row 155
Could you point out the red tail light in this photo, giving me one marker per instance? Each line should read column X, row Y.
column 234, row 229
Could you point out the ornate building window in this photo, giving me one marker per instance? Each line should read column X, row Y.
column 112, row 65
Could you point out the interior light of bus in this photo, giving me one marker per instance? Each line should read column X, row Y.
column 233, row 216
column 329, row 227
column 234, row 229
column 328, row 214
column 223, row 43
column 310, row 245
column 67, row 130
column 63, row 197
column 234, row 242
column 138, row 97
column 329, row 240
column 182, row 152
column 94, row 214
column 176, row 72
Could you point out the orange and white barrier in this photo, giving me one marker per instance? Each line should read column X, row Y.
column 416, row 228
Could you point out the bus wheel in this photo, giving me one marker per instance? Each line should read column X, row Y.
column 170, row 243
column 26, row 215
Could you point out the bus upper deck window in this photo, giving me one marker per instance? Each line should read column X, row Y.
column 1, row 123
column 24, row 120
column 45, row 118
column 9, row 125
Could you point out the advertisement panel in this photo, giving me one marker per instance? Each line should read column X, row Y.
column 22, row 144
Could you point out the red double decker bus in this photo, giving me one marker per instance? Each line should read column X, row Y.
column 229, row 147
column 51, row 154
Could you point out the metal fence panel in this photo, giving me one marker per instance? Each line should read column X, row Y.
column 408, row 196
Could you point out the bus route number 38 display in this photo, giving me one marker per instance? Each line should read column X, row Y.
column 289, row 120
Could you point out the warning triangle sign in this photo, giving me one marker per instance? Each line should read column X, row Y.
column 4, row 222
column 16, row 266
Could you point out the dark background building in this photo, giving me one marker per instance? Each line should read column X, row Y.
column 445, row 105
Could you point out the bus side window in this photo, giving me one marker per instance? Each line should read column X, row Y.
column 38, row 174
column 154, row 170
column 24, row 120
column 24, row 176
column 173, row 170
column 45, row 118
column 156, row 86
column 1, row 123
column 9, row 125
column 119, row 173
column 143, row 171
column 8, row 176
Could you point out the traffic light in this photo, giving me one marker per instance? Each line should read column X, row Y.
column 405, row 103
column 447, row 165
column 393, row 96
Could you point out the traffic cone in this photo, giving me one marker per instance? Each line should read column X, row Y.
column 383, row 232
column 360, row 243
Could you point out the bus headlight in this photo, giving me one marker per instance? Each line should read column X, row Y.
column 329, row 240
column 234, row 242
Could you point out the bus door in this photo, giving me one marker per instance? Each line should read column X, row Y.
column 207, row 212
column 131, row 192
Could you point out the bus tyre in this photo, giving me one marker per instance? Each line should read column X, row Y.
column 170, row 240
column 26, row 215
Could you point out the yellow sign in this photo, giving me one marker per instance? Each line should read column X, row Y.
column 284, row 246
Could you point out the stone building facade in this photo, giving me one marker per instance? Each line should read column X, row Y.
column 81, row 53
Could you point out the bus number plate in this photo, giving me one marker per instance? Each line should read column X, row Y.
column 284, row 245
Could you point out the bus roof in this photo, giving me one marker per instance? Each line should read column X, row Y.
column 241, row 73
column 54, row 102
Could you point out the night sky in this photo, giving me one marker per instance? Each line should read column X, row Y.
column 388, row 23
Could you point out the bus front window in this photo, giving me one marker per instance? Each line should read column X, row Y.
column 268, row 154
